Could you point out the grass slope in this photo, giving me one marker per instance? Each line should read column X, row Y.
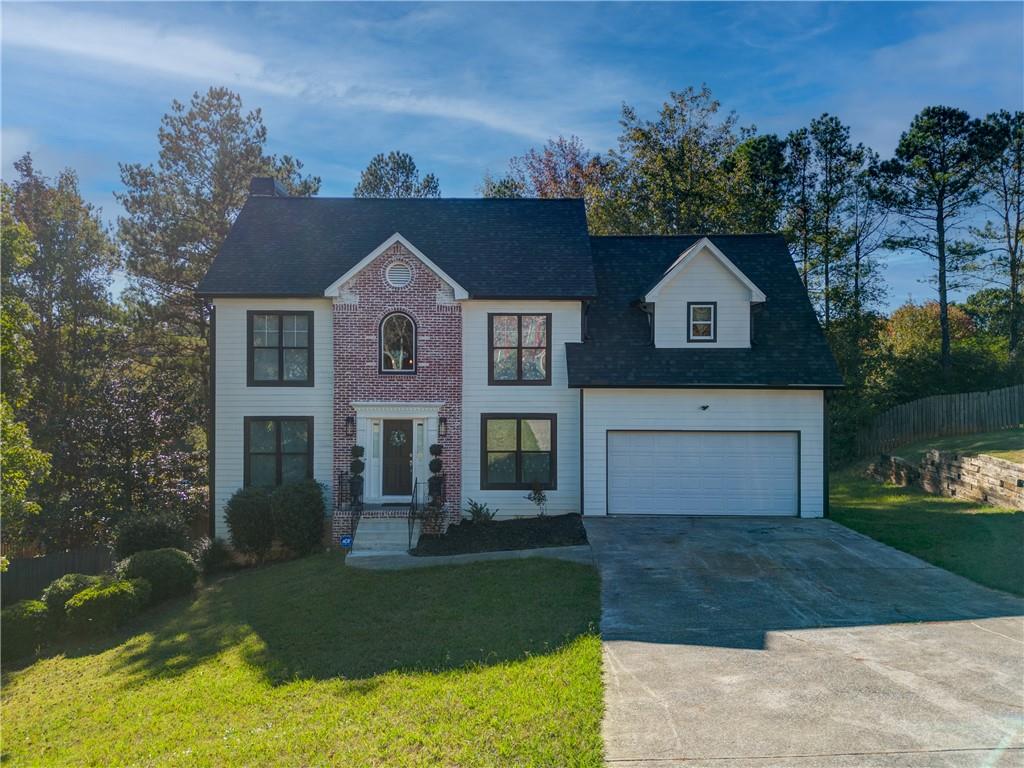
column 972, row 539
column 1005, row 444
column 310, row 663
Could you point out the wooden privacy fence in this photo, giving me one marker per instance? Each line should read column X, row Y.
column 27, row 577
column 940, row 415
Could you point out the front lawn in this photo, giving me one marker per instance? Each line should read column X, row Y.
column 1005, row 444
column 311, row 663
column 516, row 533
column 972, row 539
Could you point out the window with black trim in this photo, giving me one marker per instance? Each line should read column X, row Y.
column 280, row 349
column 397, row 344
column 278, row 450
column 519, row 349
column 517, row 451
column 701, row 321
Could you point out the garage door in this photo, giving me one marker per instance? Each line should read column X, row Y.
column 702, row 473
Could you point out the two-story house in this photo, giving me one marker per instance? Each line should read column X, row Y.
column 624, row 375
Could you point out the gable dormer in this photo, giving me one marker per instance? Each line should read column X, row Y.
column 702, row 300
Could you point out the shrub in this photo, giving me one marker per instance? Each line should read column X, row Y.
column 436, row 465
column 479, row 513
column 212, row 555
column 436, row 449
column 250, row 522
column 23, row 626
column 104, row 607
column 63, row 589
column 137, row 534
column 170, row 572
column 298, row 513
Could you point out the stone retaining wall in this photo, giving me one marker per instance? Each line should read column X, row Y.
column 950, row 473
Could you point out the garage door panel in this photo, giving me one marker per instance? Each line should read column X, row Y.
column 702, row 473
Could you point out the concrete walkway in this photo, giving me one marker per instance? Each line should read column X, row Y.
column 370, row 562
column 753, row 642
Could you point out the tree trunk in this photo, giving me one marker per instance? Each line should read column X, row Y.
column 940, row 241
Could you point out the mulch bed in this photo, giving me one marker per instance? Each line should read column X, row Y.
column 497, row 535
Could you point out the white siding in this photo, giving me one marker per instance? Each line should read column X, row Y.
column 743, row 410
column 235, row 400
column 704, row 279
column 478, row 398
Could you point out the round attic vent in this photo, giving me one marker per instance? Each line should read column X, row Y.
column 398, row 274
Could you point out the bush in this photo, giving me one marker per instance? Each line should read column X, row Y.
column 63, row 589
column 137, row 534
column 479, row 513
column 436, row 449
column 212, row 556
column 250, row 522
column 24, row 624
column 170, row 572
column 436, row 465
column 104, row 607
column 298, row 513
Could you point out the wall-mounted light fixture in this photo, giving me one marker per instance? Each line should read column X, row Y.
column 704, row 407
column 350, row 426
column 442, row 426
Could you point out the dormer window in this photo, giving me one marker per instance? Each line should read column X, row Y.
column 702, row 321
column 397, row 344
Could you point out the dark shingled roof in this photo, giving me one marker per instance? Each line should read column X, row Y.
column 288, row 246
column 787, row 349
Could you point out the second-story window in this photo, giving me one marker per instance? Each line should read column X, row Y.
column 280, row 349
column 397, row 344
column 519, row 347
column 701, row 325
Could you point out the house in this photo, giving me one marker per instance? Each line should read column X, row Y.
column 625, row 375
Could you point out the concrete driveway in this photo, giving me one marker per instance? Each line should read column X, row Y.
column 754, row 642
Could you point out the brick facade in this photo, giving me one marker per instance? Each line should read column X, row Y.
column 361, row 305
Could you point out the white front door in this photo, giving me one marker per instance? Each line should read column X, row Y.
column 703, row 473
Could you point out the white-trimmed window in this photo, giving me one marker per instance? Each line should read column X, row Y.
column 701, row 323
column 397, row 344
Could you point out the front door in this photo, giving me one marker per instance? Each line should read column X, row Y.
column 397, row 475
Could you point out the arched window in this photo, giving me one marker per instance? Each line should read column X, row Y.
column 397, row 344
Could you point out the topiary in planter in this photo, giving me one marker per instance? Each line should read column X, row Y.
column 170, row 572
column 105, row 607
column 298, row 513
column 24, row 625
column 250, row 523
column 436, row 449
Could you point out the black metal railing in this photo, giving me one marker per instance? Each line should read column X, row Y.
column 425, row 508
column 345, row 500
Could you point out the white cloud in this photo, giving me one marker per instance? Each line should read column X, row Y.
column 129, row 47
column 140, row 47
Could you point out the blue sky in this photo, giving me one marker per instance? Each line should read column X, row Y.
column 465, row 86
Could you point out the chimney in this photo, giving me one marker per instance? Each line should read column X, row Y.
column 264, row 186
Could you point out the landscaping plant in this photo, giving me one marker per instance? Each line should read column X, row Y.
column 250, row 522
column 479, row 513
column 297, row 510
column 62, row 589
column 104, row 607
column 212, row 555
column 150, row 532
column 538, row 497
column 170, row 572
column 24, row 625
column 355, row 483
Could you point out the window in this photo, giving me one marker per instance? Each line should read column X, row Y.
column 701, row 325
column 517, row 451
column 519, row 348
column 397, row 344
column 278, row 450
column 280, row 349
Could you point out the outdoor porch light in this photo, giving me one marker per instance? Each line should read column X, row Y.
column 350, row 426
column 442, row 426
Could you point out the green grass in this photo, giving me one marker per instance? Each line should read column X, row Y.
column 974, row 540
column 311, row 663
column 1005, row 444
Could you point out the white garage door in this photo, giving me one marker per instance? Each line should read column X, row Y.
column 702, row 473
